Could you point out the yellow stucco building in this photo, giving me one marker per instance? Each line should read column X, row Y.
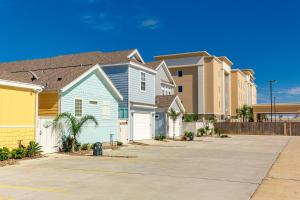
column 243, row 89
column 18, row 111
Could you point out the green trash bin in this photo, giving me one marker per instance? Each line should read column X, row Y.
column 97, row 151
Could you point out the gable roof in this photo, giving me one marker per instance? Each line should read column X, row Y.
column 155, row 65
column 166, row 101
column 9, row 79
column 56, row 72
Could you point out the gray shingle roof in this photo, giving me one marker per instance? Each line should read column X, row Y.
column 164, row 101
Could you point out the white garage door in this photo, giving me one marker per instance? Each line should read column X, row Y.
column 141, row 126
column 177, row 127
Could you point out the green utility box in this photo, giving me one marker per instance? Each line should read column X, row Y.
column 97, row 149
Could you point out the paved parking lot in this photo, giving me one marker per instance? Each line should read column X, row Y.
column 213, row 168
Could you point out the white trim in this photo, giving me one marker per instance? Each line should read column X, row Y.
column 143, row 106
column 187, row 53
column 163, row 64
column 37, row 88
column 177, row 99
column 102, row 74
column 17, row 126
column 138, row 53
column 139, row 66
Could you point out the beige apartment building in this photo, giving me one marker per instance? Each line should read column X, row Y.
column 243, row 89
column 203, row 82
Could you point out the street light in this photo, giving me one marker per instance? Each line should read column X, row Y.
column 271, row 97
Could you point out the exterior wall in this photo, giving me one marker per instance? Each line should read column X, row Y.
column 119, row 77
column 254, row 94
column 240, row 95
column 161, row 124
column 162, row 76
column 92, row 88
column 48, row 104
column 17, row 116
column 189, row 81
column 135, row 93
column 213, row 86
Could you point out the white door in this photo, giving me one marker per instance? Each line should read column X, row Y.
column 46, row 136
column 141, row 126
column 177, row 127
column 123, row 131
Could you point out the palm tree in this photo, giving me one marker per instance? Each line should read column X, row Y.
column 73, row 125
column 174, row 116
column 245, row 112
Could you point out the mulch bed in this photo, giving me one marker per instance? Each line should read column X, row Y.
column 15, row 161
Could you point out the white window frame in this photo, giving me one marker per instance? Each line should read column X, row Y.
column 80, row 99
column 141, row 81
column 106, row 113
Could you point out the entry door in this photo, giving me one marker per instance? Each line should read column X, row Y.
column 142, row 126
column 177, row 127
column 46, row 136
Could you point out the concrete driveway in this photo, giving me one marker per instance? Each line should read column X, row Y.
column 213, row 168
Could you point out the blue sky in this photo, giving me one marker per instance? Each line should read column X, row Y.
column 263, row 35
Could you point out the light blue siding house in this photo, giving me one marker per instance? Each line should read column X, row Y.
column 136, row 82
column 93, row 94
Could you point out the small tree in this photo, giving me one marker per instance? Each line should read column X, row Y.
column 245, row 112
column 174, row 116
column 73, row 125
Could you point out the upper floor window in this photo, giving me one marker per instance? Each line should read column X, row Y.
column 143, row 81
column 78, row 107
column 179, row 73
column 106, row 109
column 180, row 88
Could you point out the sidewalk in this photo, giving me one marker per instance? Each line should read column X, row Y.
column 283, row 180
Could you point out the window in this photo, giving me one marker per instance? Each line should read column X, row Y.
column 180, row 88
column 78, row 107
column 143, row 81
column 123, row 113
column 179, row 73
column 106, row 109
column 93, row 102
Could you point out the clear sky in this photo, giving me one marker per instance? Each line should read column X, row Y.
column 259, row 34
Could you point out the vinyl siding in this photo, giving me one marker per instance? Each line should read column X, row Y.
column 119, row 76
column 17, row 116
column 92, row 89
column 48, row 104
column 135, row 93
column 161, row 76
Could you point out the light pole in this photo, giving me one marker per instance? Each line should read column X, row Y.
column 271, row 97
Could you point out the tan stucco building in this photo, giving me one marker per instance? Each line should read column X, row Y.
column 203, row 82
column 243, row 89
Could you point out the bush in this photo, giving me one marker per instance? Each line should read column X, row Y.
column 119, row 143
column 18, row 153
column 67, row 144
column 33, row 149
column 4, row 153
column 217, row 131
column 160, row 137
column 189, row 135
column 191, row 117
column 86, row 146
column 201, row 132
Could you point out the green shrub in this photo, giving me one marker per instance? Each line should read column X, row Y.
column 191, row 117
column 67, row 144
column 189, row 135
column 160, row 137
column 18, row 153
column 33, row 149
column 4, row 153
column 119, row 143
column 86, row 146
column 217, row 131
column 201, row 132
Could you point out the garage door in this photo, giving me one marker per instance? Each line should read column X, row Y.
column 177, row 127
column 141, row 126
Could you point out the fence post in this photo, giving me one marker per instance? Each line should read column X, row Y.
column 290, row 129
column 284, row 129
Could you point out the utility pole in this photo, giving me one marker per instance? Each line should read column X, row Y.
column 271, row 97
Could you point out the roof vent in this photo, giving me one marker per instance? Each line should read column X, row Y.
column 59, row 78
column 34, row 76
